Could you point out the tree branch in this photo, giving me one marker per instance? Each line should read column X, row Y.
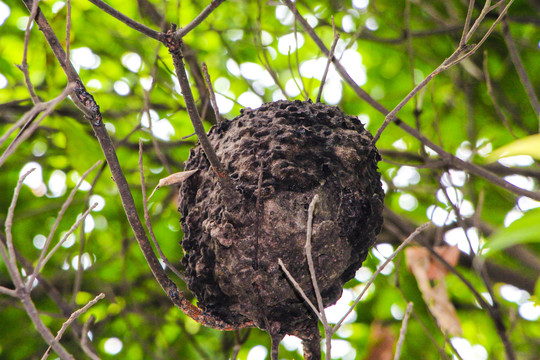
column 447, row 157
column 90, row 106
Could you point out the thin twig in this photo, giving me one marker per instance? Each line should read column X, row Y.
column 84, row 339
column 518, row 64
column 463, row 39
column 499, row 324
column 297, row 50
column 330, row 57
column 264, row 59
column 299, row 288
column 11, row 263
column 238, row 342
column 45, row 332
column 493, row 310
column 46, row 285
column 74, row 227
column 41, row 261
column 31, row 123
column 327, row 328
column 71, row 319
column 24, row 64
column 468, row 35
column 300, row 90
column 90, row 108
column 143, row 29
column 68, row 29
column 486, row 35
column 410, row 52
column 411, row 237
column 211, row 92
column 6, row 291
column 82, row 236
column 491, row 94
column 403, row 331
column 274, row 348
column 259, row 205
column 20, row 289
column 175, row 48
column 307, row 247
column 180, row 33
column 149, row 222
column 449, row 158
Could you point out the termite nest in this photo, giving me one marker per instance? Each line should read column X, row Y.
column 278, row 158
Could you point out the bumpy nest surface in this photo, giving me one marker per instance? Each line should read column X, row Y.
column 232, row 249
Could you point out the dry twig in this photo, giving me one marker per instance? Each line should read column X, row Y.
column 403, row 331
column 149, row 222
column 71, row 319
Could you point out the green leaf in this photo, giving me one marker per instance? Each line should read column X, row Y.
column 529, row 145
column 523, row 230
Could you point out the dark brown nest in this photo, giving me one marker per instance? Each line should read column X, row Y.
column 299, row 149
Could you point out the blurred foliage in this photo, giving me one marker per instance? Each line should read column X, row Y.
column 454, row 110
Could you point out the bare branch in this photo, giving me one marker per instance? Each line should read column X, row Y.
column 450, row 159
column 175, row 49
column 486, row 35
column 11, row 261
column 82, row 236
column 143, row 29
column 68, row 29
column 46, row 259
column 42, row 257
column 491, row 93
column 403, row 329
column 180, row 33
column 297, row 50
column 71, row 319
column 330, row 56
column 84, row 339
column 463, row 39
column 24, row 64
column 411, row 237
column 514, row 55
column 30, row 124
column 148, row 221
column 6, row 291
column 212, row 94
column 88, row 105
column 299, row 288
column 309, row 257
column 32, row 312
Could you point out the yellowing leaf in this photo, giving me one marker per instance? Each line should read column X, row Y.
column 529, row 145
column 173, row 179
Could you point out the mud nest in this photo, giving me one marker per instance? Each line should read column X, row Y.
column 279, row 157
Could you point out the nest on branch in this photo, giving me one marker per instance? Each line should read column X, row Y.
column 279, row 157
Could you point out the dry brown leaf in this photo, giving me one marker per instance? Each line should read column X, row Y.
column 173, row 179
column 436, row 269
column 381, row 342
column 426, row 269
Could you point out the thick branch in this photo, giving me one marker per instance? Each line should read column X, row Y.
column 175, row 48
column 126, row 197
